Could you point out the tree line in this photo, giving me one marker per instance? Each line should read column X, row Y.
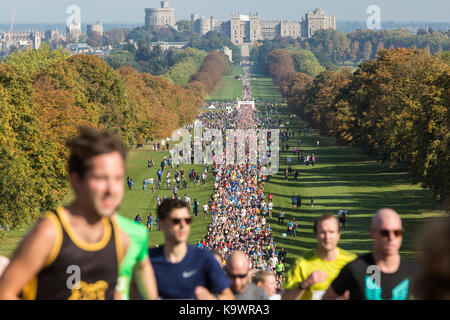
column 174, row 65
column 396, row 107
column 45, row 95
column 333, row 48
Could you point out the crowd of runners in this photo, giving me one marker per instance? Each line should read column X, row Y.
column 238, row 207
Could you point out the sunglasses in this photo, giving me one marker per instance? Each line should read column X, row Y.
column 234, row 276
column 385, row 233
column 178, row 221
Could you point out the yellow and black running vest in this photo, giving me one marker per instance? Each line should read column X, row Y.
column 76, row 270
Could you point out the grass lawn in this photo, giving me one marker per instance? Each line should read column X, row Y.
column 263, row 88
column 143, row 202
column 229, row 88
column 343, row 178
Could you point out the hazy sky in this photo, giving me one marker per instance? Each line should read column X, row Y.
column 133, row 10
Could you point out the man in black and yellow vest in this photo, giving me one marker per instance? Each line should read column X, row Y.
column 74, row 252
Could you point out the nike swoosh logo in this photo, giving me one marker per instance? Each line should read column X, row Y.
column 189, row 274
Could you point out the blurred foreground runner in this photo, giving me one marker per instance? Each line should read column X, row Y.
column 74, row 252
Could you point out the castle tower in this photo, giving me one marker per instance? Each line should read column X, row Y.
column 160, row 16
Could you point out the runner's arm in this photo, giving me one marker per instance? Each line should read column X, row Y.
column 146, row 280
column 340, row 287
column 330, row 294
column 203, row 293
column 226, row 294
column 28, row 259
column 292, row 294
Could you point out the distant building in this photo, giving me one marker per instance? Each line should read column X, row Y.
column 316, row 20
column 97, row 28
column 52, row 35
column 204, row 25
column 227, row 52
column 168, row 45
column 73, row 31
column 20, row 40
column 250, row 28
column 159, row 17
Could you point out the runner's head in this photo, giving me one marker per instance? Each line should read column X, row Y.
column 237, row 269
column 175, row 220
column 386, row 230
column 97, row 170
column 327, row 232
column 266, row 280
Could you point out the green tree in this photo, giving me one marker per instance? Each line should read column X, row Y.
column 31, row 61
column 367, row 51
column 184, row 26
column 306, row 62
column 355, row 51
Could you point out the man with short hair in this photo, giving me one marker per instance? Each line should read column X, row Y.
column 184, row 271
column 312, row 274
column 80, row 240
column 381, row 274
column 237, row 269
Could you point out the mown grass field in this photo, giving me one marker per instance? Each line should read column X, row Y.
column 263, row 88
column 343, row 178
column 143, row 202
column 229, row 88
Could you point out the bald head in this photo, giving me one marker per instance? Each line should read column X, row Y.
column 238, row 260
column 386, row 217
column 237, row 270
column 387, row 232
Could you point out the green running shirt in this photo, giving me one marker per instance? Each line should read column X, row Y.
column 137, row 252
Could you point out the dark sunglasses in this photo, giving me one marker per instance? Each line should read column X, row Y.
column 178, row 221
column 385, row 233
column 233, row 276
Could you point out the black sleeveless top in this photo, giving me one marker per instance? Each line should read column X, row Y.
column 76, row 270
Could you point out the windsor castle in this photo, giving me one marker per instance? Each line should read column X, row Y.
column 245, row 28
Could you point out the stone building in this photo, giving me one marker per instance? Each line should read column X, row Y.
column 98, row 28
column 159, row 17
column 73, row 31
column 227, row 52
column 316, row 20
column 20, row 40
column 204, row 25
column 251, row 28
